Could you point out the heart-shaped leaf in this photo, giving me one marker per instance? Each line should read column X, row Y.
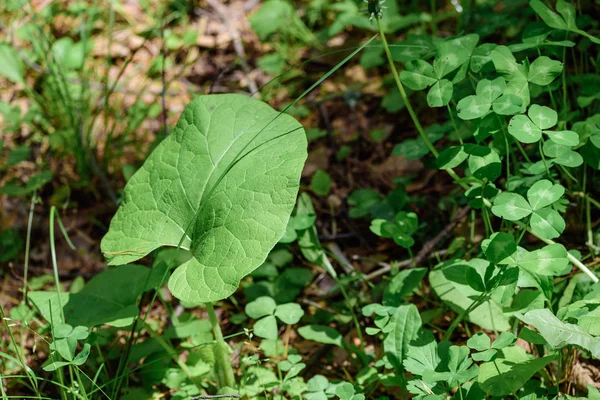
column 490, row 90
column 451, row 157
column 222, row 185
column 418, row 75
column 507, row 104
column 543, row 117
column 543, row 193
column 566, row 138
column 547, row 223
column 511, row 206
column 266, row 328
column 262, row 306
column 501, row 246
column 544, row 70
column 524, row 130
column 484, row 162
column 472, row 107
column 289, row 313
column 440, row 93
column 549, row 260
column 480, row 342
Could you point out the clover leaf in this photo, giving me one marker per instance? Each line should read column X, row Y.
column 565, row 21
column 64, row 343
column 511, row 206
column 489, row 95
column 543, row 193
column 345, row 391
column 400, row 230
column 451, row 55
column 487, row 350
column 542, row 71
column 500, row 246
column 222, row 185
column 561, row 154
column 418, row 75
column 545, row 221
column 266, row 310
column 528, row 129
column 440, row 93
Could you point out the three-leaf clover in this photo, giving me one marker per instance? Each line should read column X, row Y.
column 484, row 162
column 64, row 342
column 317, row 388
column 489, row 95
column 382, row 317
column 346, row 391
column 265, row 310
column 561, row 154
column 545, row 221
column 528, row 128
column 542, row 71
column 451, row 55
column 401, row 229
column 292, row 366
column 481, row 342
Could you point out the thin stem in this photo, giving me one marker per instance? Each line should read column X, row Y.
column 30, row 376
column 564, row 76
column 454, row 123
column 411, row 111
column 433, row 21
column 171, row 352
column 523, row 152
column 409, row 107
column 349, row 305
column 27, row 246
column 462, row 316
column 572, row 259
column 222, row 364
column 544, row 161
column 54, row 262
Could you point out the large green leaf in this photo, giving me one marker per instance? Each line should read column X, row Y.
column 510, row 371
column 559, row 334
column 108, row 298
column 405, row 323
column 450, row 283
column 222, row 185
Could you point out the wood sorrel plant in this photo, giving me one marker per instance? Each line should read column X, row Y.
column 522, row 164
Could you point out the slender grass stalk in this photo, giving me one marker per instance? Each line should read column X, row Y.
column 30, row 375
column 28, row 246
column 173, row 354
column 53, row 214
column 409, row 107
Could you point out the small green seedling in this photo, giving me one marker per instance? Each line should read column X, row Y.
column 401, row 229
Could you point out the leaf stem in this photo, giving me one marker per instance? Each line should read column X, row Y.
column 223, row 368
column 411, row 111
column 571, row 258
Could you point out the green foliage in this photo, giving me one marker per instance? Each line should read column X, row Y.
column 222, row 190
column 515, row 123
